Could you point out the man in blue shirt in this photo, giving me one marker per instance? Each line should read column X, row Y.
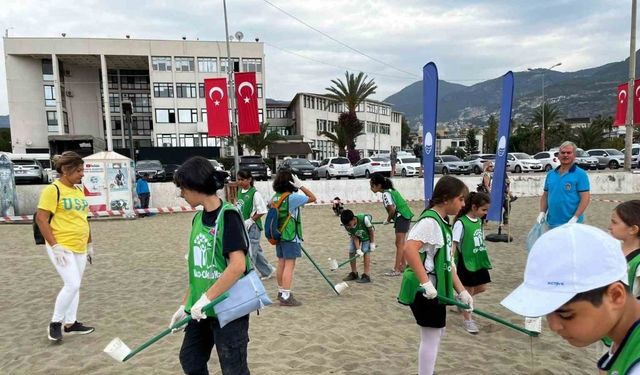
column 566, row 191
column 144, row 194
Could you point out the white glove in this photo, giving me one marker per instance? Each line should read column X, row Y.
column 59, row 254
column 430, row 291
column 177, row 316
column 466, row 298
column 541, row 217
column 385, row 222
column 90, row 252
column 573, row 220
column 196, row 309
column 372, row 247
column 295, row 181
column 248, row 223
column 359, row 253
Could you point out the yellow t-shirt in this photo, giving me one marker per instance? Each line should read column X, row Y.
column 69, row 225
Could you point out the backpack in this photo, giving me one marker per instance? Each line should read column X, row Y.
column 37, row 234
column 272, row 229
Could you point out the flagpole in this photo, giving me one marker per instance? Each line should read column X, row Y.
column 628, row 137
column 232, row 94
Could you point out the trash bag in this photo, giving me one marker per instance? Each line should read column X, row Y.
column 536, row 231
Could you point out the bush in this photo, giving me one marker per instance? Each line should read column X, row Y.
column 617, row 143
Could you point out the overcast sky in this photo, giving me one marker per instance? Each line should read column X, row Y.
column 470, row 40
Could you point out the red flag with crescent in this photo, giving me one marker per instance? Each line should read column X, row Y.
column 621, row 107
column 217, row 102
column 247, row 103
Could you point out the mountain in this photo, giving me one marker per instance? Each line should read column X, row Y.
column 4, row 121
column 584, row 93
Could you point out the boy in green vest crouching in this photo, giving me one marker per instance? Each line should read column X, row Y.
column 576, row 275
column 362, row 242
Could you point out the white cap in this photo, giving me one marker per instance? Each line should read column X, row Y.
column 563, row 262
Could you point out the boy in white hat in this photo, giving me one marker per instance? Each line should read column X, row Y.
column 576, row 275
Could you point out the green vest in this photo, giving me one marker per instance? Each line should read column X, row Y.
column 402, row 207
column 627, row 355
column 206, row 261
column 634, row 263
column 245, row 204
column 474, row 251
column 360, row 230
column 294, row 226
column 442, row 262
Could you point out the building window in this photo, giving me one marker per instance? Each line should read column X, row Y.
column 161, row 63
column 165, row 116
column 116, row 126
column 52, row 122
column 274, row 113
column 252, row 65
column 47, row 70
column 260, row 115
column 201, row 90
column 188, row 116
column 206, row 141
column 385, row 111
column 114, row 102
column 259, row 88
column 360, row 107
column 321, row 126
column 234, row 60
column 134, row 79
column 207, row 64
column 140, row 125
column 49, row 96
column 203, row 115
column 112, row 78
column 185, row 90
column 166, row 140
column 163, row 90
column 141, row 102
column 184, row 64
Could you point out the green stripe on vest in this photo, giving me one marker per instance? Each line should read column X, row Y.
column 360, row 230
column 628, row 354
column 401, row 205
column 245, row 204
column 474, row 251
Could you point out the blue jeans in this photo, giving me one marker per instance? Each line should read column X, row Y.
column 258, row 260
column 365, row 246
column 230, row 342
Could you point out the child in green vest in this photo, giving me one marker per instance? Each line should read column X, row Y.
column 429, row 255
column 289, row 248
column 218, row 247
column 361, row 233
column 576, row 275
column 625, row 226
column 252, row 207
column 472, row 260
column 398, row 212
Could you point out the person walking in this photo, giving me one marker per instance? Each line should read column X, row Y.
column 143, row 191
column 566, row 191
column 393, row 157
column 62, row 220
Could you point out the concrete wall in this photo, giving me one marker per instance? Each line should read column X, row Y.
column 527, row 185
column 84, row 108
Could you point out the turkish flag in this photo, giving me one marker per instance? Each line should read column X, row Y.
column 247, row 103
column 215, row 90
column 621, row 107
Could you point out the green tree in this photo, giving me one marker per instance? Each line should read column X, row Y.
column 490, row 135
column 5, row 140
column 471, row 144
column 258, row 142
column 339, row 138
column 552, row 117
column 525, row 138
column 457, row 151
column 404, row 133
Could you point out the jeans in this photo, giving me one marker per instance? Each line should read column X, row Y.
column 231, row 344
column 66, row 306
column 258, row 260
column 144, row 199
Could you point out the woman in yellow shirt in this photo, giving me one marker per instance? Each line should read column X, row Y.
column 62, row 219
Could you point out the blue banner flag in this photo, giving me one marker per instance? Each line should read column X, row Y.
column 430, row 118
column 502, row 149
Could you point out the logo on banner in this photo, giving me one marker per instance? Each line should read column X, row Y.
column 502, row 145
column 428, row 143
column 622, row 95
column 246, row 99
column 214, row 90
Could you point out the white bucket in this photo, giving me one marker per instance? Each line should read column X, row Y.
column 341, row 287
column 533, row 324
column 333, row 264
column 117, row 349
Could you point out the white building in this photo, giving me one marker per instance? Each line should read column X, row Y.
column 308, row 115
column 56, row 87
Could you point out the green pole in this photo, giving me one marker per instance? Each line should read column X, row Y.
column 319, row 270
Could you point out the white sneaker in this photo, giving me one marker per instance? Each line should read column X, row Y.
column 471, row 327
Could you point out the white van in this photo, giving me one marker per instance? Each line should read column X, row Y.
column 635, row 155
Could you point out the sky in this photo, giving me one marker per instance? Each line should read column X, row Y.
column 470, row 40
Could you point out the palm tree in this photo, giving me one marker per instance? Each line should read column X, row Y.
column 551, row 114
column 339, row 138
column 353, row 92
column 260, row 141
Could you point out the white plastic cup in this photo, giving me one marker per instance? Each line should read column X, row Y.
column 341, row 287
column 117, row 349
column 333, row 264
column 533, row 324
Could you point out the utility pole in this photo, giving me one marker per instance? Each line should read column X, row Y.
column 628, row 137
column 232, row 94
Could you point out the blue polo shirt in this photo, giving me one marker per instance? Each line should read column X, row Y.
column 563, row 194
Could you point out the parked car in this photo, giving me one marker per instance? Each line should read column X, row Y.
column 315, row 163
column 255, row 165
column 607, row 157
column 408, row 166
column 366, row 166
column 28, row 170
column 300, row 167
column 518, row 162
column 585, row 161
column 548, row 159
column 476, row 161
column 153, row 168
column 169, row 171
column 635, row 155
column 216, row 165
column 446, row 164
column 337, row 167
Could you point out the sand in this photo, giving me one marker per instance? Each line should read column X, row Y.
column 139, row 276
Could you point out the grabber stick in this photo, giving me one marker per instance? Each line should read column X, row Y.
column 342, row 286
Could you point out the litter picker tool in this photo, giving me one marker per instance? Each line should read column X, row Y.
column 119, row 351
column 338, row 288
column 334, row 265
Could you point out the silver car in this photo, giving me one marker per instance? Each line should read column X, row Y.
column 476, row 161
column 446, row 164
column 607, row 157
column 29, row 171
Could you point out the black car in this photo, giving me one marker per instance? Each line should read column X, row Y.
column 255, row 165
column 153, row 168
column 300, row 167
column 169, row 170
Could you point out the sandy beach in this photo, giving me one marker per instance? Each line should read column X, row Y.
column 139, row 275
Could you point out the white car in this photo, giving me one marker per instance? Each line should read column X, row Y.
column 337, row 166
column 518, row 162
column 366, row 166
column 408, row 166
column 549, row 159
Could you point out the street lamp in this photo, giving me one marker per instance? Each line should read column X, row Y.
column 542, row 107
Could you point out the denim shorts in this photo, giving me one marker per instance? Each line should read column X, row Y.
column 288, row 250
column 364, row 246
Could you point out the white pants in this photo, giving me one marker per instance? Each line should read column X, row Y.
column 67, row 301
